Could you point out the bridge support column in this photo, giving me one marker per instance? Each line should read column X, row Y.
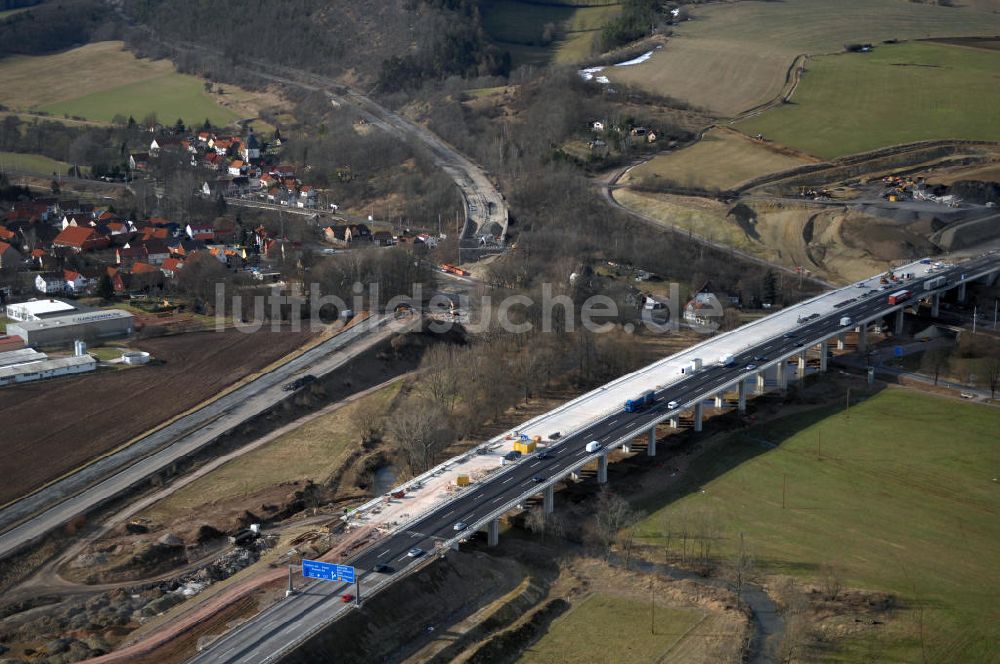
column 898, row 329
column 493, row 534
column 719, row 400
column 549, row 500
column 699, row 412
column 626, row 448
column 602, row 469
column 673, row 422
column 741, row 404
column 824, row 352
column 782, row 370
column 574, row 476
column 651, row 449
column 761, row 382
column 961, row 292
column 863, row 338
column 840, row 342
column 801, row 370
column 935, row 305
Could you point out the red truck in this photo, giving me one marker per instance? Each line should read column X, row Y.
column 900, row 296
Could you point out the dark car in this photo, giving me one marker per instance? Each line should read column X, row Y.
column 760, row 358
column 346, row 598
column 800, row 343
column 544, row 455
column 789, row 335
column 537, row 479
column 383, row 569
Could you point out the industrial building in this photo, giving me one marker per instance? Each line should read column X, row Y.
column 21, row 366
column 40, row 309
column 87, row 325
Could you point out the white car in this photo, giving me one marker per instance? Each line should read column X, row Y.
column 672, row 405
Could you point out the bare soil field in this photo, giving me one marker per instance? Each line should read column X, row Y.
column 834, row 242
column 721, row 160
column 732, row 57
column 69, row 421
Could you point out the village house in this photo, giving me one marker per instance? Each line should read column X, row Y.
column 200, row 231
column 10, row 258
column 80, row 239
column 50, row 283
column 75, row 282
column 171, row 267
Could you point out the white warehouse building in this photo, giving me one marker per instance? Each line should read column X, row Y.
column 21, row 366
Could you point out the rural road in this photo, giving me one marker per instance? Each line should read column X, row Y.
column 607, row 186
column 32, row 517
column 484, row 205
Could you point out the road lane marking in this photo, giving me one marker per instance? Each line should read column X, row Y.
column 507, row 480
column 534, row 464
column 498, row 499
column 382, row 554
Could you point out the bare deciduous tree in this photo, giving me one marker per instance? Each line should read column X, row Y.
column 743, row 567
column 612, row 515
column 414, row 426
column 367, row 422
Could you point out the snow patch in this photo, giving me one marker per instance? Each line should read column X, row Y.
column 590, row 73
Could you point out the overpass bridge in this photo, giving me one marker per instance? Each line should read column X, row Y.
column 760, row 353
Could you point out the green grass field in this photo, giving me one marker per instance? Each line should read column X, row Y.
column 170, row 96
column 517, row 25
column 610, row 628
column 33, row 164
column 720, row 160
column 903, row 499
column 896, row 94
column 735, row 56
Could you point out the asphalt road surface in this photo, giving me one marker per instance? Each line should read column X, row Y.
column 49, row 508
column 280, row 628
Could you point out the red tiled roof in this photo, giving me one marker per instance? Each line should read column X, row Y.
column 75, row 236
column 144, row 268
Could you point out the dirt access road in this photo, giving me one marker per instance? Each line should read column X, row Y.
column 41, row 512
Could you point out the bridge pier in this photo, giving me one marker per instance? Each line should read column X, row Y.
column 602, row 469
column 651, row 449
column 673, row 423
column 493, row 533
column 840, row 341
column 549, row 500
column 961, row 292
column 719, row 400
column 824, row 352
column 935, row 305
column 627, row 448
column 574, row 476
column 761, row 383
column 741, row 402
column 898, row 329
column 801, row 369
column 782, row 375
column 699, row 412
column 863, row 338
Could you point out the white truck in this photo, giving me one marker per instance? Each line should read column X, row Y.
column 593, row 446
column 845, row 321
column 727, row 360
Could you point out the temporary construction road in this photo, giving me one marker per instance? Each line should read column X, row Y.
column 38, row 514
column 754, row 348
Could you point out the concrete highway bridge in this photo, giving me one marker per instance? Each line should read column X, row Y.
column 765, row 353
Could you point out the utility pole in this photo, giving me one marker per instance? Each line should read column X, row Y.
column 975, row 311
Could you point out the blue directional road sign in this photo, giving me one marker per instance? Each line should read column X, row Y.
column 314, row 569
column 899, row 351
